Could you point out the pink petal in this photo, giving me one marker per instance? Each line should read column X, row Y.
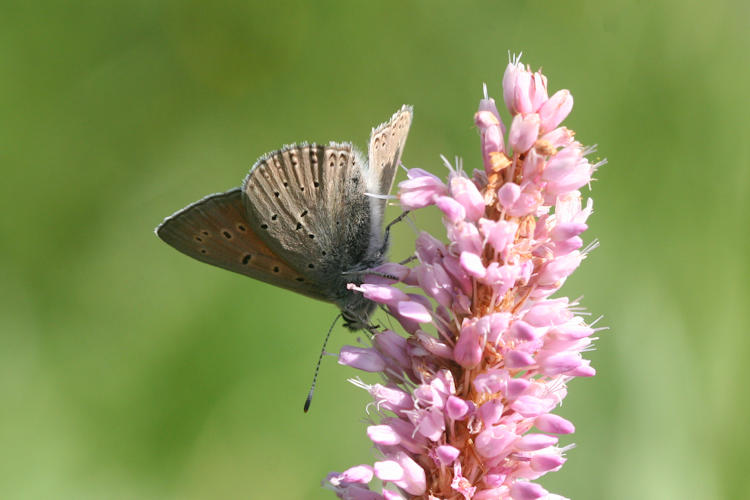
column 454, row 212
column 554, row 424
column 472, row 264
column 383, row 435
column 415, row 311
column 361, row 358
column 546, row 462
column 465, row 192
column 446, row 454
column 522, row 490
column 524, row 131
column 555, row 110
column 532, row 442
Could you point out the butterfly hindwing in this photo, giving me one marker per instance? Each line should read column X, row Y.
column 215, row 230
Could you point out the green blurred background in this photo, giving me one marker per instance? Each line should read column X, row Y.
column 128, row 371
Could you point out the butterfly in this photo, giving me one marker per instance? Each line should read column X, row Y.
column 308, row 218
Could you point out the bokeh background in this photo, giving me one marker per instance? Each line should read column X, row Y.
column 128, row 371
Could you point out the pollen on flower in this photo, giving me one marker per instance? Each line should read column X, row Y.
column 487, row 353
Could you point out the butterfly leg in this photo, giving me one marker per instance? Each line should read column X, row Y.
column 394, row 221
column 371, row 273
column 407, row 260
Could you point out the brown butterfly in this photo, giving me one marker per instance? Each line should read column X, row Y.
column 307, row 218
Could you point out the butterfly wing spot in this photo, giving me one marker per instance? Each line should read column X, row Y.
column 205, row 233
column 246, row 259
column 302, row 188
column 316, row 184
column 242, row 228
column 300, row 279
column 299, row 226
column 227, row 234
column 276, row 194
column 311, row 236
column 274, row 217
column 276, row 269
column 311, row 266
column 303, row 213
column 198, row 239
column 323, row 252
column 286, row 184
column 203, row 251
column 264, row 226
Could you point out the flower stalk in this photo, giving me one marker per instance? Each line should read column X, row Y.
column 466, row 400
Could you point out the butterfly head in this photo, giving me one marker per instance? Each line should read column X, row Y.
column 356, row 312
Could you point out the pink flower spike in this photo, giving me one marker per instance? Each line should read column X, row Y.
column 477, row 355
column 524, row 131
column 522, row 490
column 361, row 358
column 554, row 111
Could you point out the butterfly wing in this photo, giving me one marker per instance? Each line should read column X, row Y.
column 387, row 143
column 308, row 204
column 214, row 230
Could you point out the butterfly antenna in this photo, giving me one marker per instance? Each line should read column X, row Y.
column 317, row 366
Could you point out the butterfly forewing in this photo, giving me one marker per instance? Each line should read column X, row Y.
column 308, row 204
column 387, row 143
column 215, row 230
